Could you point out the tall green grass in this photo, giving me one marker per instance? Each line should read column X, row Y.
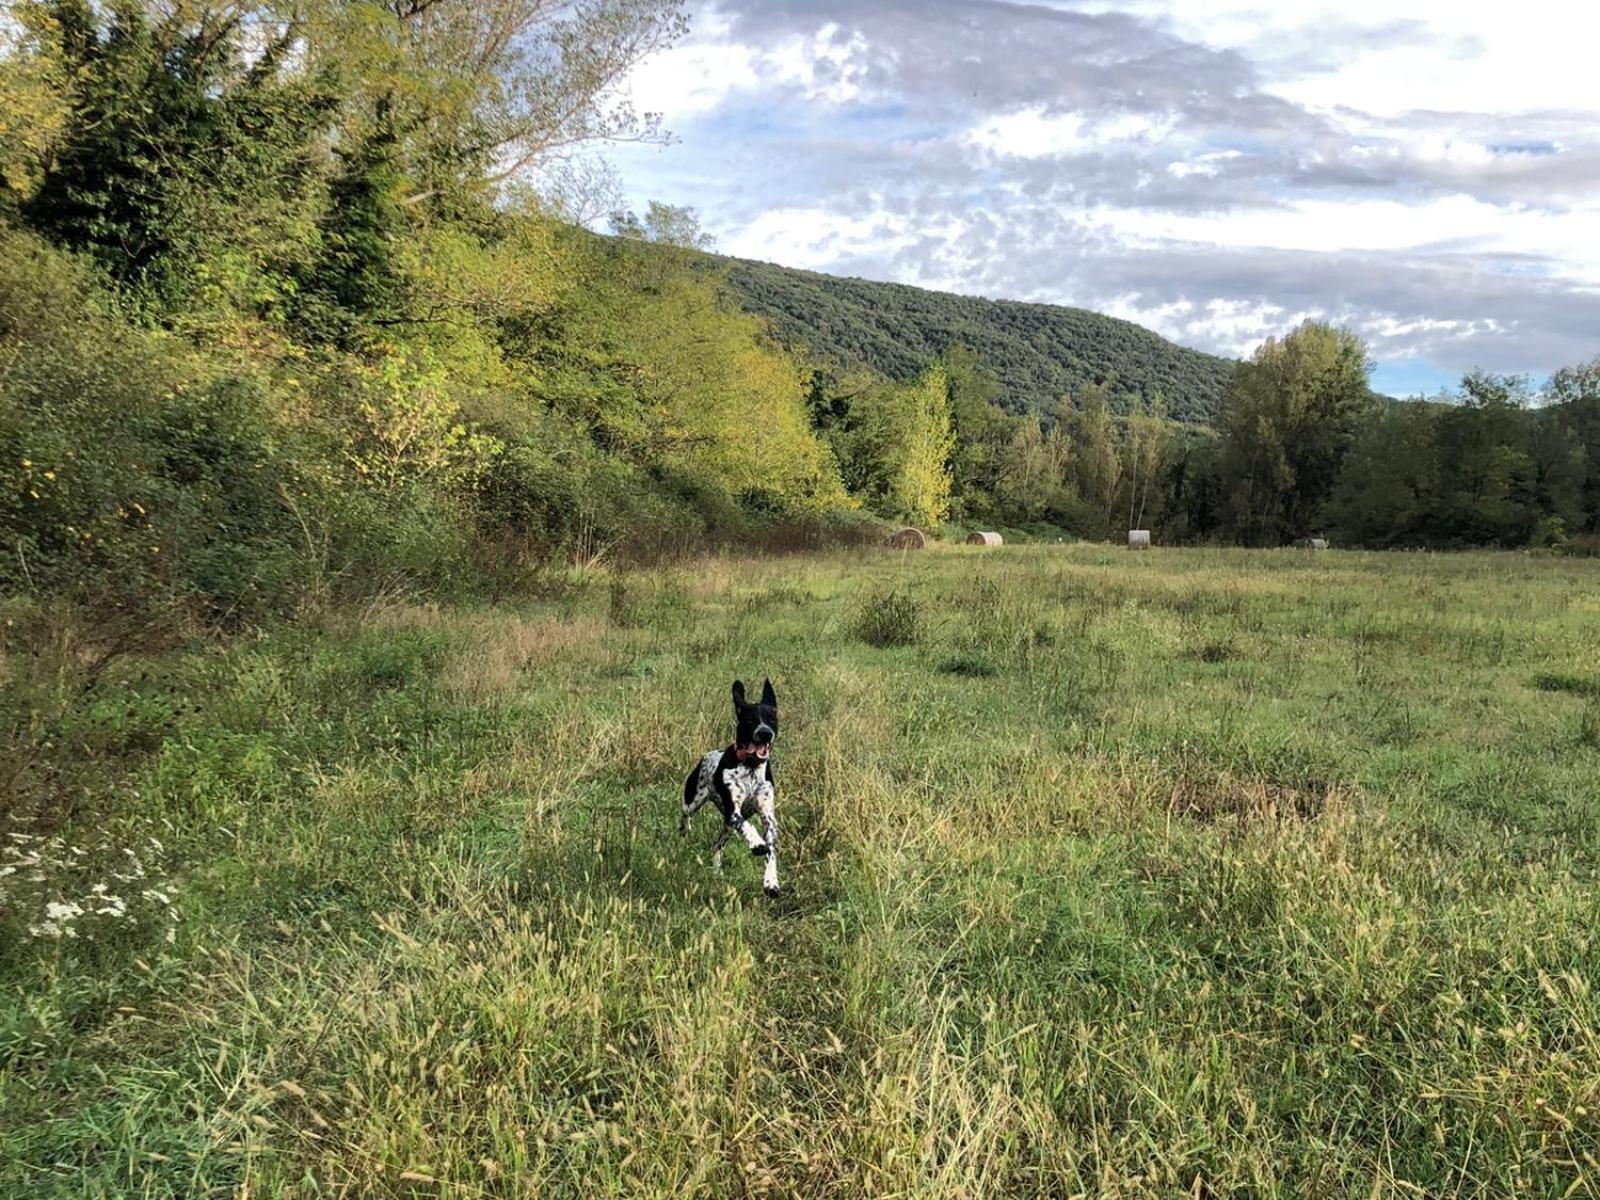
column 1192, row 873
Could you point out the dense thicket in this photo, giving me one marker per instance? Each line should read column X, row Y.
column 1038, row 352
column 271, row 325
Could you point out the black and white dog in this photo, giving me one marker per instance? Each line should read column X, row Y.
column 739, row 780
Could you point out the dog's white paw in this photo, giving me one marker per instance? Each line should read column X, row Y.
column 771, row 889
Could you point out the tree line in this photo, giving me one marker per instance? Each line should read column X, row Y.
column 1301, row 447
column 282, row 316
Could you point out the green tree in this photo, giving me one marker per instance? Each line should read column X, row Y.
column 1095, row 467
column 1288, row 419
column 480, row 91
column 1191, row 485
column 649, row 359
column 1033, row 481
column 1485, row 465
column 894, row 448
column 1574, row 395
column 1388, row 493
column 923, row 484
column 1146, row 445
column 665, row 225
column 35, row 98
column 982, row 433
column 186, row 165
column 360, row 272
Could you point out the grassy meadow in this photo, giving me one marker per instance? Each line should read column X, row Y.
column 1188, row 873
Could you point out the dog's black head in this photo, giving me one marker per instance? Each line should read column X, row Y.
column 755, row 725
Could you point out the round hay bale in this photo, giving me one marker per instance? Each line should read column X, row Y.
column 909, row 539
column 1138, row 539
column 985, row 539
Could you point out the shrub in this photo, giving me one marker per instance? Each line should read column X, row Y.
column 970, row 666
column 1549, row 533
column 892, row 618
column 1561, row 681
column 133, row 481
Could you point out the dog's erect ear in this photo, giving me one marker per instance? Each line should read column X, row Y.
column 768, row 696
column 738, row 691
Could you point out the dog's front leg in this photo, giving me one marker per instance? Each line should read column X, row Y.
column 736, row 821
column 758, row 847
column 767, row 801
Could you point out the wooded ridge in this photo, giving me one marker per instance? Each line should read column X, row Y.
column 1038, row 352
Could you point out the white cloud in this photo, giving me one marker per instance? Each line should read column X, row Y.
column 1205, row 165
column 1568, row 241
column 1033, row 132
column 814, row 237
column 698, row 76
column 1456, row 55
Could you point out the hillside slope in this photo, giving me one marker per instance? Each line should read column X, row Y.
column 1040, row 351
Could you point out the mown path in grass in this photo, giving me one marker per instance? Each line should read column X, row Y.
column 1188, row 872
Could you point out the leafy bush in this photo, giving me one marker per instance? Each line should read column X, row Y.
column 970, row 666
column 892, row 618
column 136, row 477
column 1549, row 533
column 1562, row 681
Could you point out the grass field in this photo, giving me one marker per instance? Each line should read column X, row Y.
column 1189, row 873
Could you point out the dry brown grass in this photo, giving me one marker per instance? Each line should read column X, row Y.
column 501, row 650
column 1224, row 795
column 496, row 649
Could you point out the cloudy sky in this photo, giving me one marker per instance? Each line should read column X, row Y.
column 1425, row 171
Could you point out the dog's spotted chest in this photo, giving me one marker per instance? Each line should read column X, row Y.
column 745, row 783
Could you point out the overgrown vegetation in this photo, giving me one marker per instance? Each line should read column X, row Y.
column 276, row 328
column 1075, row 904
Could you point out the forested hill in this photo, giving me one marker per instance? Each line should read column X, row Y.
column 1040, row 351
